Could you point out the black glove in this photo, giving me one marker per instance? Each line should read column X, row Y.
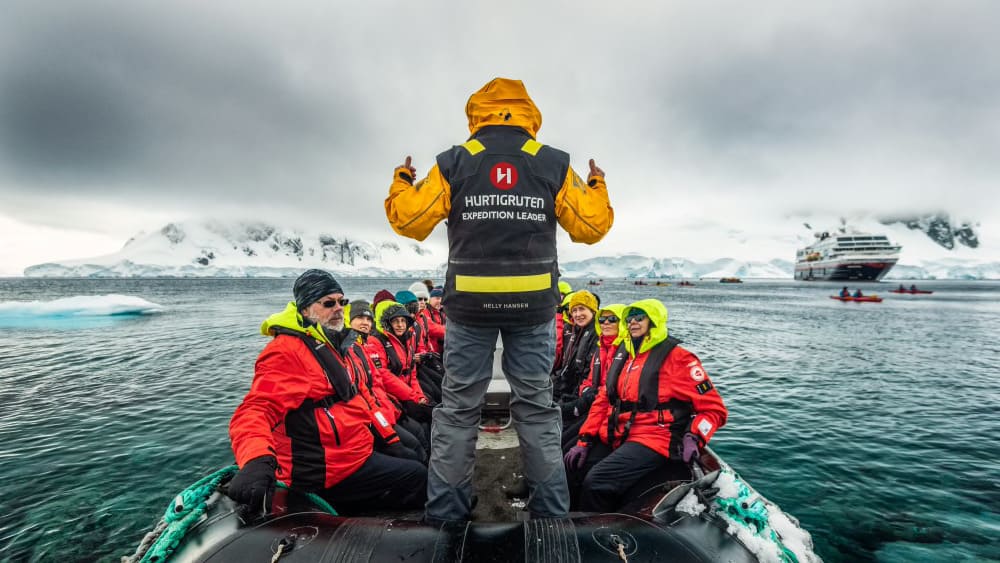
column 588, row 395
column 254, row 484
column 416, row 411
column 568, row 409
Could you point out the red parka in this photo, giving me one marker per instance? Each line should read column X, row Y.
column 687, row 400
column 432, row 322
column 294, row 413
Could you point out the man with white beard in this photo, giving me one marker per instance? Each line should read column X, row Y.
column 306, row 419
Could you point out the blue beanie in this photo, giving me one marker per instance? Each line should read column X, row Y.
column 403, row 297
column 437, row 292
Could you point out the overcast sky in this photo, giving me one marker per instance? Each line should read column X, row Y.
column 122, row 116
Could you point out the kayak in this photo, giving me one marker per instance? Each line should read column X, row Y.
column 711, row 516
column 863, row 299
column 911, row 291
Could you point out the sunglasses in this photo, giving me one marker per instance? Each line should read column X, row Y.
column 331, row 303
column 638, row 317
column 608, row 319
column 421, row 299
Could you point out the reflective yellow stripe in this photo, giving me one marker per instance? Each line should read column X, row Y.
column 531, row 147
column 503, row 284
column 474, row 147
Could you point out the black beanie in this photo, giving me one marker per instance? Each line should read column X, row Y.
column 361, row 308
column 312, row 286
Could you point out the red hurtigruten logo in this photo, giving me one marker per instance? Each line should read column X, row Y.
column 503, row 176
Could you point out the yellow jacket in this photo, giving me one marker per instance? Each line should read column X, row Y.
column 583, row 210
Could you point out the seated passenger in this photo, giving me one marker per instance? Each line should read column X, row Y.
column 429, row 379
column 857, row 293
column 609, row 321
column 306, row 420
column 392, row 348
column 844, row 292
column 913, row 287
column 580, row 342
column 385, row 413
column 901, row 288
column 667, row 411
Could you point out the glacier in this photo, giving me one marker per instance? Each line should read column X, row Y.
column 212, row 248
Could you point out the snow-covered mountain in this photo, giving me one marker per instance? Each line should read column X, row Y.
column 637, row 266
column 249, row 249
column 255, row 249
column 940, row 228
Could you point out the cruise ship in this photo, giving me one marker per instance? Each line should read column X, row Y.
column 842, row 257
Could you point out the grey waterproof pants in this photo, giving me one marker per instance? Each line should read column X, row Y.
column 528, row 354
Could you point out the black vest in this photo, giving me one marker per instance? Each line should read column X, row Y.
column 502, row 267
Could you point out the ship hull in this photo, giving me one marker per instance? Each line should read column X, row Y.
column 861, row 270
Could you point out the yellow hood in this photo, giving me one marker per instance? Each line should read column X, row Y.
column 291, row 319
column 616, row 309
column 503, row 102
column 657, row 312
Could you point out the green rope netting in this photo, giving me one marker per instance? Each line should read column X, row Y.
column 187, row 509
column 749, row 510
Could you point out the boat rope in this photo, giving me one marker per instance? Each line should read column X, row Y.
column 185, row 510
column 749, row 510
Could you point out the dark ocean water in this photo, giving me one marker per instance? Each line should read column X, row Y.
column 875, row 424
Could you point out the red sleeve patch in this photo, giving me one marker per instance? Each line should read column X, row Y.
column 697, row 374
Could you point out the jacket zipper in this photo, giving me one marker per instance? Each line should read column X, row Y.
column 333, row 424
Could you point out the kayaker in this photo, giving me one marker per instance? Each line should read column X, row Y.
column 657, row 404
column 857, row 293
column 845, row 292
column 901, row 288
column 502, row 194
column 306, row 419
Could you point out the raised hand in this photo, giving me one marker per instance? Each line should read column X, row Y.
column 594, row 170
column 407, row 165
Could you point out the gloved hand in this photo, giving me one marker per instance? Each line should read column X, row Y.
column 568, row 410
column 588, row 395
column 576, row 457
column 254, row 484
column 689, row 448
column 418, row 412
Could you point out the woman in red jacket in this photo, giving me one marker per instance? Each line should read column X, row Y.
column 392, row 348
column 609, row 320
column 657, row 404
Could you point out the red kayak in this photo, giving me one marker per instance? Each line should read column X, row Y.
column 864, row 299
column 911, row 291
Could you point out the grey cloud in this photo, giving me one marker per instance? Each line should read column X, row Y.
column 729, row 107
column 127, row 101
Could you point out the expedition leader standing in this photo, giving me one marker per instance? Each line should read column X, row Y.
column 502, row 193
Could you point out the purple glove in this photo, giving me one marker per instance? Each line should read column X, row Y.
column 576, row 456
column 689, row 448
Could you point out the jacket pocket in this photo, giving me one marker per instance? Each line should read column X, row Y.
column 333, row 425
